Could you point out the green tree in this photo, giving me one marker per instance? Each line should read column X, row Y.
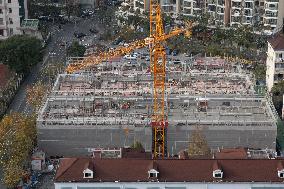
column 277, row 96
column 76, row 50
column 259, row 72
column 198, row 144
column 72, row 8
column 280, row 135
column 137, row 145
column 20, row 53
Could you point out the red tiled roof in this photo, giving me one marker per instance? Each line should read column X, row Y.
column 4, row 75
column 238, row 153
column 171, row 170
column 216, row 166
column 277, row 42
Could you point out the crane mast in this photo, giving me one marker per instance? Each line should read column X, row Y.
column 155, row 42
column 158, row 67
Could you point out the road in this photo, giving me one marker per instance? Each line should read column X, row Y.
column 66, row 34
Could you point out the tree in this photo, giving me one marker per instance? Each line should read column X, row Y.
column 17, row 139
column 36, row 93
column 72, row 7
column 277, row 96
column 259, row 72
column 280, row 135
column 137, row 145
column 76, row 50
column 20, row 53
column 13, row 175
column 198, row 144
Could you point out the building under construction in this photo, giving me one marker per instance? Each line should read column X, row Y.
column 110, row 105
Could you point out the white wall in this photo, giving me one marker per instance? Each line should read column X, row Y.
column 270, row 67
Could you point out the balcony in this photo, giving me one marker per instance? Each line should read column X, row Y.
column 212, row 2
column 271, row 14
column 271, row 6
column 187, row 4
column 187, row 11
column 236, row 5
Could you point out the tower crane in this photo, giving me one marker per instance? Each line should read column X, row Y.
column 157, row 64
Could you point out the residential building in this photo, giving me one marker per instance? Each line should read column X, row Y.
column 142, row 5
column 90, row 4
column 273, row 18
column 23, row 12
column 275, row 61
column 193, row 7
column 79, row 173
column 9, row 18
column 242, row 12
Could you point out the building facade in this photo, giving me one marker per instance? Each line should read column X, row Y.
column 275, row 61
column 269, row 13
column 9, row 18
column 96, row 173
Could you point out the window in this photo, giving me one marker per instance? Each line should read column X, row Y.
column 217, row 174
column 1, row 32
column 9, row 1
column 87, row 175
column 10, row 10
column 10, row 20
column 1, row 11
column 281, row 174
column 153, row 173
column 1, row 21
column 11, row 31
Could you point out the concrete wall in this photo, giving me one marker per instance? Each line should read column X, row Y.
column 71, row 141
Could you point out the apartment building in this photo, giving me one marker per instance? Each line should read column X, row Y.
column 9, row 18
column 193, row 7
column 238, row 12
column 142, row 5
column 273, row 17
column 275, row 61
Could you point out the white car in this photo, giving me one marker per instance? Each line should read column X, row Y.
column 130, row 57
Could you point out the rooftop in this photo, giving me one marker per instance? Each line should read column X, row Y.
column 30, row 24
column 206, row 91
column 277, row 42
column 171, row 170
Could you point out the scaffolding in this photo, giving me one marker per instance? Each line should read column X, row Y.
column 121, row 95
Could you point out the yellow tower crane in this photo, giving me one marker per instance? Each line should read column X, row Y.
column 157, row 64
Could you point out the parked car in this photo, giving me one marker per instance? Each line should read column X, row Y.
column 117, row 41
column 79, row 35
column 130, row 57
column 92, row 30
